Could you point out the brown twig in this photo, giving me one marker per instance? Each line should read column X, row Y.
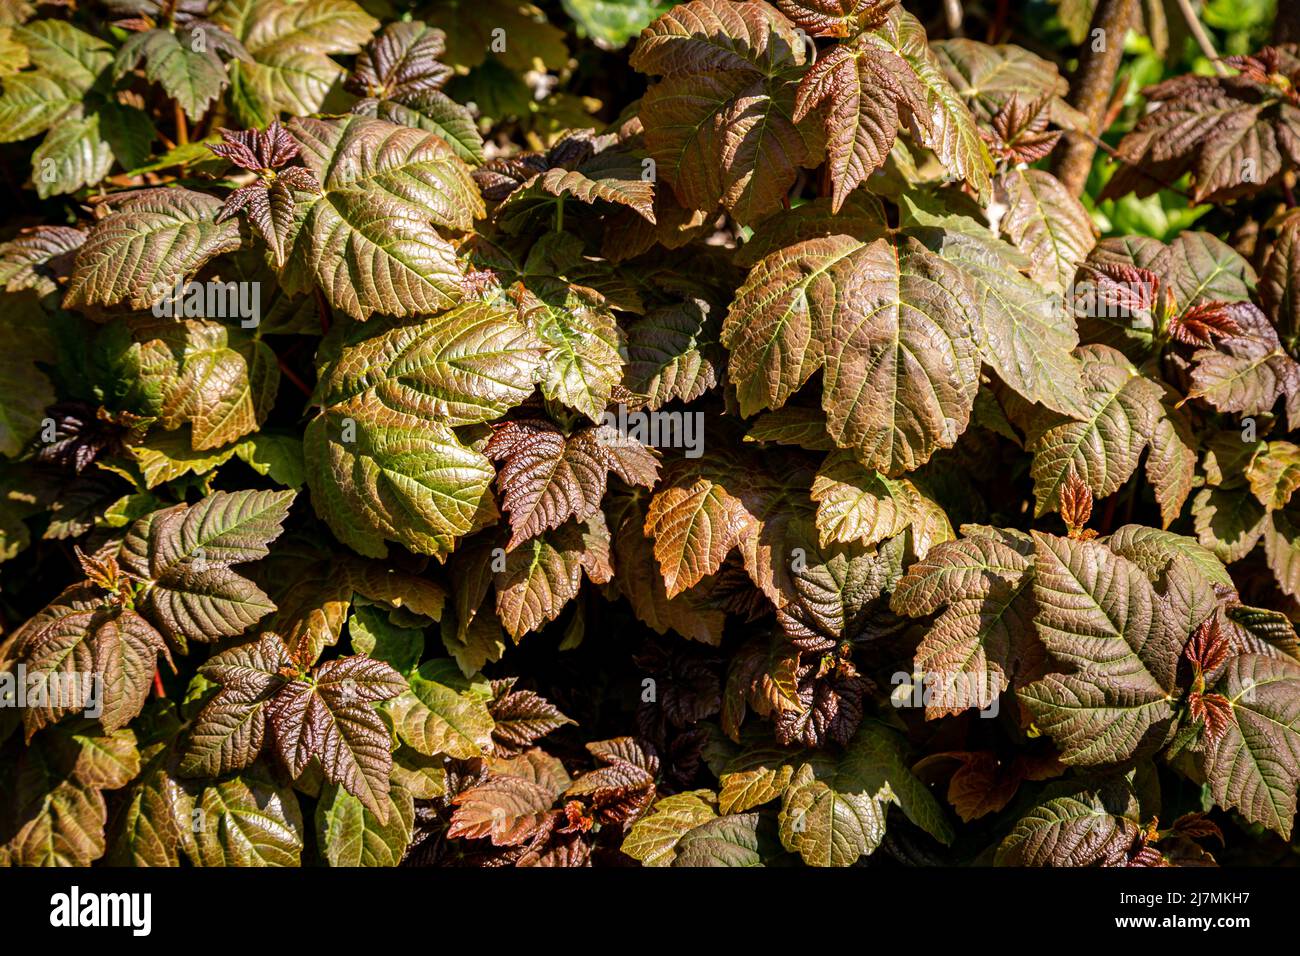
column 952, row 15
column 1090, row 90
column 1116, row 103
column 1202, row 38
column 182, row 131
column 292, row 376
column 999, row 21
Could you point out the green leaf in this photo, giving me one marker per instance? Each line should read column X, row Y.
column 467, row 365
column 1228, row 522
column 945, row 125
column 612, row 23
column 350, row 835
column 66, row 63
column 443, row 713
column 248, row 820
column 1255, row 768
column 73, row 155
column 376, row 474
column 724, row 841
column 56, row 805
column 832, row 815
column 1099, row 615
column 1026, row 335
column 26, row 389
column 373, row 634
column 885, row 320
column 1047, row 224
column 1088, row 827
column 156, row 820
column 290, row 43
column 149, row 244
column 654, row 838
column 369, row 241
column 584, row 345
column 1120, row 411
column 193, row 78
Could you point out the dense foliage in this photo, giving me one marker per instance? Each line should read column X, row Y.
column 477, row 434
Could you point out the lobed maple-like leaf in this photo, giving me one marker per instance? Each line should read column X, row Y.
column 512, row 804
column 250, row 820
column 673, row 353
column 80, row 637
column 290, row 45
column 397, row 471
column 370, row 241
column 548, row 477
column 152, row 241
column 350, row 834
column 545, row 574
column 945, row 125
column 1099, row 614
column 719, row 124
column 1103, row 447
column 184, row 553
column 1047, row 223
column 884, row 319
column 521, row 717
column 863, row 89
column 1023, row 333
column 326, row 717
column 1247, row 369
column 188, row 64
column 39, row 256
column 443, row 713
column 216, row 379
column 983, row 641
column 655, row 839
column 989, row 77
column 641, row 581
column 1236, row 134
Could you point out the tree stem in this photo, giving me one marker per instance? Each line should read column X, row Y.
column 1090, row 89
